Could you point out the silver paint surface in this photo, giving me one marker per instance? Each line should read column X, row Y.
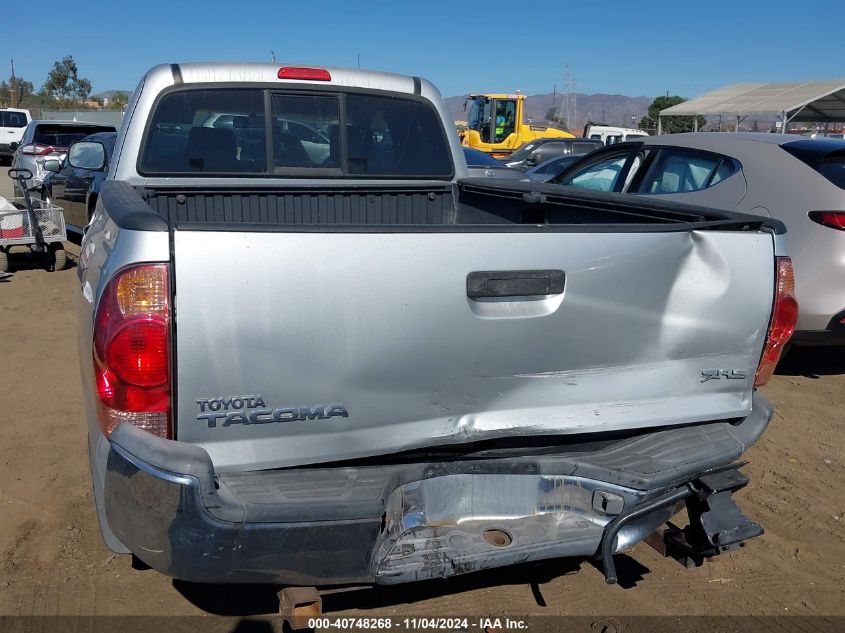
column 382, row 323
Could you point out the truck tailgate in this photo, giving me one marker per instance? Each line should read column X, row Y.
column 298, row 347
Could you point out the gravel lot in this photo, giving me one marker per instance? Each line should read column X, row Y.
column 53, row 562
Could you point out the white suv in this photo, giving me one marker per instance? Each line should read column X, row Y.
column 12, row 124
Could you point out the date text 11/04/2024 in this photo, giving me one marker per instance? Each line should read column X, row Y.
column 488, row 625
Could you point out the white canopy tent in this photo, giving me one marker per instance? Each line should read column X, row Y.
column 800, row 101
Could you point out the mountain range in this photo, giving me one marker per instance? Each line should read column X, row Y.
column 599, row 108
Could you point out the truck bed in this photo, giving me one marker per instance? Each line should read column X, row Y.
column 473, row 201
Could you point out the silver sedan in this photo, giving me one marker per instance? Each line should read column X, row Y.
column 797, row 180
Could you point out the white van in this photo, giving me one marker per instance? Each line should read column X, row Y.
column 13, row 122
column 609, row 134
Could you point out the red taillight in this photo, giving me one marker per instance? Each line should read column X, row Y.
column 35, row 149
column 132, row 350
column 311, row 74
column 830, row 219
column 782, row 325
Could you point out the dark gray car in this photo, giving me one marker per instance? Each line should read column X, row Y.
column 483, row 165
column 74, row 183
column 797, row 180
column 45, row 139
column 542, row 149
column 548, row 169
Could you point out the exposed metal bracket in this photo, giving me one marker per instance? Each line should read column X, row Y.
column 716, row 526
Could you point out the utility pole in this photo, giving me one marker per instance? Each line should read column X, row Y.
column 359, row 60
column 273, row 56
column 13, row 88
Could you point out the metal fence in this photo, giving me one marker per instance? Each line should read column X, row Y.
column 111, row 117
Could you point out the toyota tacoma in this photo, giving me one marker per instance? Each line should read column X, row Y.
column 315, row 352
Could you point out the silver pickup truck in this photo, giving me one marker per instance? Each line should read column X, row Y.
column 314, row 352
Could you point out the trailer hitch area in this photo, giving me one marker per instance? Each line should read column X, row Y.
column 716, row 524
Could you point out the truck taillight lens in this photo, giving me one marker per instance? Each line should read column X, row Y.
column 782, row 325
column 830, row 219
column 132, row 350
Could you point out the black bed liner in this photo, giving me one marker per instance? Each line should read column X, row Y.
column 474, row 204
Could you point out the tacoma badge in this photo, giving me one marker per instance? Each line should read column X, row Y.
column 253, row 410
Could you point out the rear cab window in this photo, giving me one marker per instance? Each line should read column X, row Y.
column 297, row 133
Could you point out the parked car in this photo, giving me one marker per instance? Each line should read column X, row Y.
column 371, row 373
column 536, row 152
column 74, row 183
column 610, row 134
column 43, row 139
column 798, row 181
column 553, row 167
column 13, row 122
column 482, row 165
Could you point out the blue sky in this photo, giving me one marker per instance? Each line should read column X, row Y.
column 631, row 48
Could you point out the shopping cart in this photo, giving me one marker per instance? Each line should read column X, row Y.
column 36, row 224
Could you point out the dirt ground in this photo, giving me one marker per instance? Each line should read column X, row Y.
column 52, row 560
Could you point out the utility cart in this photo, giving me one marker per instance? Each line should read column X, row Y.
column 36, row 224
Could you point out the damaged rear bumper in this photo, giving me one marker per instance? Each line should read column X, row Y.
column 395, row 523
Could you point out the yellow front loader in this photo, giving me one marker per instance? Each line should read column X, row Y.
column 496, row 125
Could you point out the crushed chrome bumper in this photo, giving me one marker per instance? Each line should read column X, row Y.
column 404, row 522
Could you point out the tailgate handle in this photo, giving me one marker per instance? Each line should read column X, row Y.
column 514, row 283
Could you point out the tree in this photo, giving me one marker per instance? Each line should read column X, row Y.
column 63, row 81
column 20, row 89
column 672, row 124
column 118, row 101
column 15, row 92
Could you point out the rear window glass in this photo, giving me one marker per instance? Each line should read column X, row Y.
column 584, row 148
column 224, row 131
column 678, row 171
column 825, row 156
column 833, row 168
column 306, row 132
column 207, row 131
column 522, row 152
column 65, row 135
column 395, row 137
column 12, row 119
